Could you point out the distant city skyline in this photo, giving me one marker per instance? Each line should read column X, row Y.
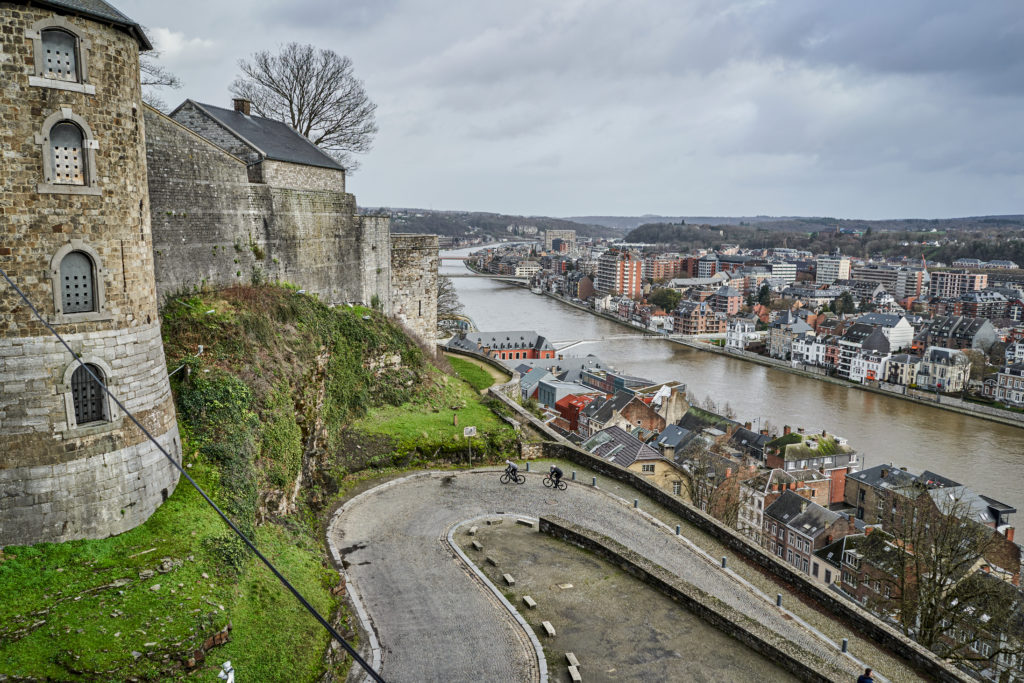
column 698, row 108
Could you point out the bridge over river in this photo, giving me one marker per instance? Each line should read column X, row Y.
column 986, row 456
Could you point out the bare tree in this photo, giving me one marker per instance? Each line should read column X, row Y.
column 709, row 484
column 448, row 303
column 315, row 92
column 933, row 586
column 155, row 75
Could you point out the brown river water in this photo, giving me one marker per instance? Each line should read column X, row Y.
column 986, row 456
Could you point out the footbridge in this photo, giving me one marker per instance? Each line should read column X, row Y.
column 569, row 343
column 505, row 278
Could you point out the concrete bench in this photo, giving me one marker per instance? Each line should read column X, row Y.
column 565, row 586
column 491, row 561
column 530, row 602
column 508, row 579
column 571, row 658
column 477, row 545
column 548, row 628
column 493, row 521
column 472, row 531
column 524, row 522
column 574, row 673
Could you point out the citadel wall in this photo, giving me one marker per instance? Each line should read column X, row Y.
column 414, row 261
column 63, row 475
column 212, row 227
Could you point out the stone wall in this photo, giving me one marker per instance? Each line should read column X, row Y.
column 214, row 228
column 189, row 116
column 297, row 176
column 59, row 481
column 414, row 262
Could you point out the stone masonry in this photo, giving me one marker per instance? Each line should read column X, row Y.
column 414, row 261
column 60, row 480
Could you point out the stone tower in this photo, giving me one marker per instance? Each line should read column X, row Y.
column 75, row 237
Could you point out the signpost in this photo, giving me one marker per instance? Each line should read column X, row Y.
column 469, row 433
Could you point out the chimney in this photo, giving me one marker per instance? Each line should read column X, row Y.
column 824, row 434
column 885, row 473
column 868, row 530
column 828, row 539
column 764, row 432
column 803, row 506
column 747, row 425
column 775, row 487
column 1009, row 533
column 241, row 105
column 800, row 429
column 785, row 430
column 728, row 472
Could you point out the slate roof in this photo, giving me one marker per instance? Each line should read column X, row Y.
column 876, row 341
column 886, row 477
column 798, row 513
column 568, row 368
column 883, row 319
column 671, row 436
column 517, row 340
column 601, row 411
column 274, row 140
column 618, row 446
column 97, row 9
column 748, row 439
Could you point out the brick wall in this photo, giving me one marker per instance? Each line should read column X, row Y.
column 58, row 483
column 414, row 261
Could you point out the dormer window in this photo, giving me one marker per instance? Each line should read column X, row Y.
column 60, row 55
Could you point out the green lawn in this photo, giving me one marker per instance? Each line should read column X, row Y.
column 428, row 417
column 476, row 376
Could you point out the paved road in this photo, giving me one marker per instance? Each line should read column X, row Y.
column 436, row 623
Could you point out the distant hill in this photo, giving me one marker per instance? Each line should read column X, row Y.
column 464, row 223
column 630, row 222
column 806, row 224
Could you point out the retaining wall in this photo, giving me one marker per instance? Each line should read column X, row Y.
column 712, row 610
column 920, row 658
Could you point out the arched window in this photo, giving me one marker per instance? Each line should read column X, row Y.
column 77, row 283
column 68, row 148
column 67, row 154
column 60, row 55
column 88, row 395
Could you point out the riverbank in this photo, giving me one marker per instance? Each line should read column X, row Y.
column 951, row 404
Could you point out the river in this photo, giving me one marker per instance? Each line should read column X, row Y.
column 986, row 456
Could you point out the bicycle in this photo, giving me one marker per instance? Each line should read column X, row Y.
column 507, row 477
column 557, row 483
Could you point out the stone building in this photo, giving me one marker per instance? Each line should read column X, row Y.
column 238, row 197
column 76, row 239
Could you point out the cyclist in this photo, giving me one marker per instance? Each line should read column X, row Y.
column 556, row 474
column 512, row 470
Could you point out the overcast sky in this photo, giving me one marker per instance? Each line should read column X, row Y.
column 691, row 107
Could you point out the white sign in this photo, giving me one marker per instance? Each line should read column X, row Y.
column 469, row 431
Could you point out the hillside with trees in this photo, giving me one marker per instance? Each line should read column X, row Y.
column 466, row 223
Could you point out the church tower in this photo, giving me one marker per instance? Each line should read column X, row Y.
column 75, row 237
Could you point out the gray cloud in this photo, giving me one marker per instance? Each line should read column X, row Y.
column 700, row 107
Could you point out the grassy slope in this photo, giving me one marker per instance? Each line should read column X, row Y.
column 477, row 377
column 78, row 611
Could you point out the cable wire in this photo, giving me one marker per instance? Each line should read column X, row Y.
column 294, row 591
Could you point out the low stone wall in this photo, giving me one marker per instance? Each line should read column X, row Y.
column 918, row 657
column 712, row 610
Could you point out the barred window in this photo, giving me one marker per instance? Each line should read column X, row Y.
column 77, row 283
column 67, row 154
column 88, row 395
column 60, row 55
